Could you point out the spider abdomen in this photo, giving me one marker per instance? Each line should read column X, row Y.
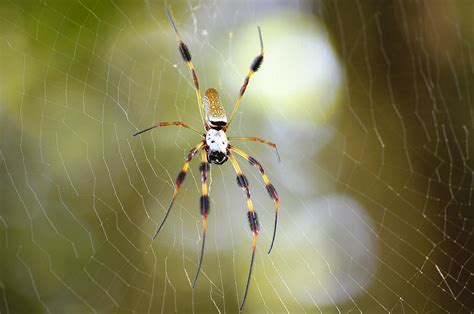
column 215, row 113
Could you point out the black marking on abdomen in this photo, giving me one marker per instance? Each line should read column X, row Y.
column 184, row 52
column 217, row 125
column 253, row 221
column 205, row 205
column 220, row 123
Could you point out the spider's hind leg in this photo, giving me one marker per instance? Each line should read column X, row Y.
column 204, row 204
column 270, row 188
column 252, row 216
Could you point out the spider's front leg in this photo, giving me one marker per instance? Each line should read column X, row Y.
column 186, row 55
column 204, row 203
column 256, row 63
column 252, row 216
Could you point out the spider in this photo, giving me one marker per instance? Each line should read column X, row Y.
column 216, row 149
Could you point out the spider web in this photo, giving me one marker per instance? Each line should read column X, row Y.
column 370, row 103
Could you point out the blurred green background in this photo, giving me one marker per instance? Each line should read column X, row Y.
column 370, row 102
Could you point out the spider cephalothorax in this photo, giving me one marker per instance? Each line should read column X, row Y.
column 215, row 149
column 216, row 145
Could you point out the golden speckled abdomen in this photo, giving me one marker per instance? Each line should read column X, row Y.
column 215, row 113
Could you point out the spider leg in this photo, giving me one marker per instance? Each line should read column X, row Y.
column 186, row 55
column 161, row 124
column 270, row 188
column 257, row 139
column 253, row 219
column 205, row 205
column 257, row 62
column 179, row 181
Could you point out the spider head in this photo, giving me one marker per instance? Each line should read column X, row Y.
column 216, row 141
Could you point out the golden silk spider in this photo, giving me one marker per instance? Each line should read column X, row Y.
column 216, row 149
